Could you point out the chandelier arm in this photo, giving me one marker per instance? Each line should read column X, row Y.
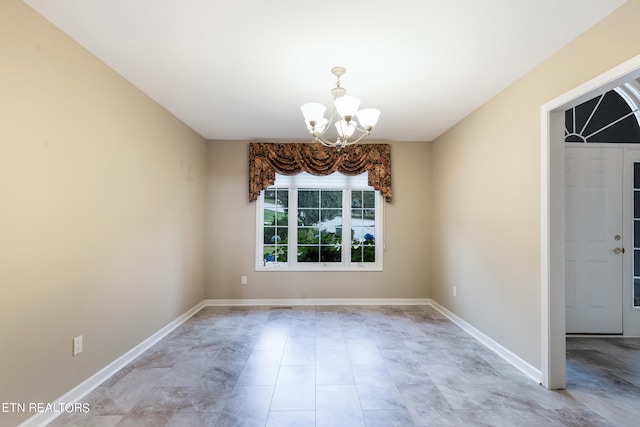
column 322, row 140
column 326, row 128
column 355, row 141
column 368, row 132
column 341, row 141
column 364, row 131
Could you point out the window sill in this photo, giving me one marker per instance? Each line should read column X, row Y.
column 319, row 267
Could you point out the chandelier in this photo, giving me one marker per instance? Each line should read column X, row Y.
column 345, row 109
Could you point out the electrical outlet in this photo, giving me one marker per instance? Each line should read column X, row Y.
column 77, row 345
column 243, row 280
column 454, row 291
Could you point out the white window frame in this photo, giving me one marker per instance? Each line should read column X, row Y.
column 335, row 181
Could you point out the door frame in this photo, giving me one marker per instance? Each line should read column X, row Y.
column 552, row 211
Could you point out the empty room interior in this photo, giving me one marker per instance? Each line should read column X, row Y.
column 154, row 223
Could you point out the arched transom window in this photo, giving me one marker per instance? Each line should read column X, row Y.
column 612, row 117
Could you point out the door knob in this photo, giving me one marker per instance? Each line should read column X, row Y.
column 618, row 251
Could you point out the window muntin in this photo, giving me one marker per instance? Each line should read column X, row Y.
column 331, row 222
column 636, row 234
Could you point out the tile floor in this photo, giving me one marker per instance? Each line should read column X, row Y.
column 604, row 374
column 352, row 366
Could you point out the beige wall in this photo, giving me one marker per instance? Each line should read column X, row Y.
column 103, row 197
column 101, row 212
column 231, row 234
column 487, row 191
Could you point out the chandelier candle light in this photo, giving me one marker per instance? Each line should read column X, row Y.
column 346, row 107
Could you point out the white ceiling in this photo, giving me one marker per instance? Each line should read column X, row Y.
column 240, row 69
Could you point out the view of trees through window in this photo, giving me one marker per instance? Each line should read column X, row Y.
column 363, row 216
column 276, row 225
column 319, row 225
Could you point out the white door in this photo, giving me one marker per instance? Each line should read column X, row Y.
column 594, row 239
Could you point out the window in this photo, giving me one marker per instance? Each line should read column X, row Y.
column 308, row 222
column 612, row 117
column 636, row 234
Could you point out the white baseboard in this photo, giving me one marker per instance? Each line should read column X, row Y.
column 520, row 364
column 318, row 301
column 602, row 336
column 76, row 394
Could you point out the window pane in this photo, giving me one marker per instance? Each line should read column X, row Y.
column 281, row 254
column 276, row 236
column 636, row 235
column 269, row 234
column 308, row 198
column 363, row 227
column 283, row 198
column 308, row 254
column 356, row 254
column 308, row 235
column 369, row 199
column 275, row 253
column 330, row 237
column 269, row 253
column 356, row 199
column 270, row 196
column 308, row 216
column 275, row 232
column 330, row 254
column 332, row 215
column 269, row 217
column 363, row 230
column 283, row 234
column 363, row 253
column 369, row 253
column 272, row 217
column 275, row 212
column 331, row 199
column 282, row 217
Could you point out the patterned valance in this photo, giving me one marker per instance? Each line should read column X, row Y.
column 265, row 159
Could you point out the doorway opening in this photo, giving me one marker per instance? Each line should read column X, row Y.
column 602, row 137
column 553, row 334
